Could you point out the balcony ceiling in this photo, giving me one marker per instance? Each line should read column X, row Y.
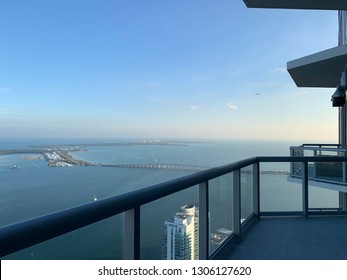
column 322, row 69
column 298, row 4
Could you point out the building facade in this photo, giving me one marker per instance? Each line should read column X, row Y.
column 180, row 236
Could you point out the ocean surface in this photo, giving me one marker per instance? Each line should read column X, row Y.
column 33, row 188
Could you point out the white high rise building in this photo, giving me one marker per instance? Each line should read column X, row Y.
column 180, row 238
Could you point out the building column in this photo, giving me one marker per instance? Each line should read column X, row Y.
column 342, row 40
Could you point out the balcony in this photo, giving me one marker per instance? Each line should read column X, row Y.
column 330, row 175
column 247, row 210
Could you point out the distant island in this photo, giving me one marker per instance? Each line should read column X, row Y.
column 151, row 142
column 59, row 156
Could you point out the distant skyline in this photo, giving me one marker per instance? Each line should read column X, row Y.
column 156, row 68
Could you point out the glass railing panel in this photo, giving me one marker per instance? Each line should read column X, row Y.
column 318, row 170
column 296, row 169
column 246, row 192
column 329, row 153
column 309, row 153
column 322, row 199
column 297, row 152
column 169, row 227
column 322, row 171
column 276, row 192
column 300, row 152
column 221, row 210
column 328, row 171
column 101, row 240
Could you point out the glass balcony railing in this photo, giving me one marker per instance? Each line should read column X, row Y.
column 329, row 172
column 203, row 213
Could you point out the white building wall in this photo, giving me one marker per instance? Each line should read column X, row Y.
column 184, row 223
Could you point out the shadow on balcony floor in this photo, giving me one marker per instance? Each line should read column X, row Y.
column 314, row 238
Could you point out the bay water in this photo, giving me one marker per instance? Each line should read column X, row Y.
column 33, row 189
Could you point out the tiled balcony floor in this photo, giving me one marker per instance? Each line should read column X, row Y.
column 313, row 238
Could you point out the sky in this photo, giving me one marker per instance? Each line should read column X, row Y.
column 160, row 69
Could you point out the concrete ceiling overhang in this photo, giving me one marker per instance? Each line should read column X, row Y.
column 298, row 4
column 322, row 69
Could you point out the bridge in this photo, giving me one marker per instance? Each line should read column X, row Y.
column 61, row 157
column 180, row 167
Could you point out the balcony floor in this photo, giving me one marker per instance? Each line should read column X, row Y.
column 313, row 238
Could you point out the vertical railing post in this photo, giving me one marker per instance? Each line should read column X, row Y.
column 292, row 164
column 344, row 168
column 237, row 203
column 204, row 239
column 131, row 245
column 315, row 153
column 256, row 190
column 305, row 188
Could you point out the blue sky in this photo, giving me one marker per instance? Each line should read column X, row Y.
column 157, row 68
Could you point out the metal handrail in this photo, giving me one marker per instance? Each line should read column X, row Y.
column 320, row 144
column 320, row 150
column 319, row 147
column 24, row 234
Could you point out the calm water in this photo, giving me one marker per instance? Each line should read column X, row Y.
column 35, row 189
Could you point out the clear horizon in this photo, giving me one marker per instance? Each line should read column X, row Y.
column 157, row 69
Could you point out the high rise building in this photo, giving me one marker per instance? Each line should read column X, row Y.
column 180, row 237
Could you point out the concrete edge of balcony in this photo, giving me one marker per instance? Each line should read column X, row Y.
column 322, row 69
column 297, row 4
